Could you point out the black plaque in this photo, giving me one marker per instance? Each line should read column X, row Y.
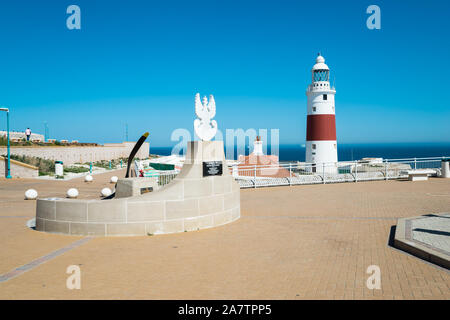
column 212, row 168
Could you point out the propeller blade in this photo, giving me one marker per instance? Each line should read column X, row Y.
column 133, row 152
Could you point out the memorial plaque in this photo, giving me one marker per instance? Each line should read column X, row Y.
column 146, row 190
column 212, row 168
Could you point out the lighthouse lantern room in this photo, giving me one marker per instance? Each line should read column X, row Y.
column 321, row 145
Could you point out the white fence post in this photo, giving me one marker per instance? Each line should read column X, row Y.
column 255, row 176
column 323, row 172
column 415, row 163
column 356, row 171
column 290, row 174
column 385, row 169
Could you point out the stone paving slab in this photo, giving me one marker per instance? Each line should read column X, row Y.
column 427, row 237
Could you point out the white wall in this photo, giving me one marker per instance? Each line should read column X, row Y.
column 315, row 99
column 324, row 152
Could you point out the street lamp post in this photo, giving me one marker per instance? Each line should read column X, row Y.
column 8, row 175
column 45, row 131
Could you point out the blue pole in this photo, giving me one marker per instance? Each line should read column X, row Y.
column 90, row 167
column 109, row 164
column 46, row 132
column 8, row 176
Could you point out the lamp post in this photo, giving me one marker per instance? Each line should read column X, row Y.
column 45, row 132
column 8, row 175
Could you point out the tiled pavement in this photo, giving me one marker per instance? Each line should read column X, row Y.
column 312, row 242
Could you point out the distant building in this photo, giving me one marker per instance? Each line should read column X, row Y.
column 174, row 160
column 259, row 164
column 371, row 160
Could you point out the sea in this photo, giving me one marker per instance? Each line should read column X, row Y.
column 349, row 152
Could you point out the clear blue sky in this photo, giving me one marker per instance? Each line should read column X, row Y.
column 141, row 63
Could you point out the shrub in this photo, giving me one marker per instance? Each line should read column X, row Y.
column 76, row 169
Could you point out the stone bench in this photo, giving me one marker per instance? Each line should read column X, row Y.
column 131, row 187
column 419, row 174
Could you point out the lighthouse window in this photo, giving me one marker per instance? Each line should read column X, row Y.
column 325, row 97
column 314, row 109
column 314, row 147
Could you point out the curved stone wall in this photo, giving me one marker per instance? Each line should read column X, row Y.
column 190, row 202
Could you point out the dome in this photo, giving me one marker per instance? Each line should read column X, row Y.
column 320, row 64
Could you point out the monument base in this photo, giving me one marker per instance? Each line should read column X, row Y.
column 203, row 195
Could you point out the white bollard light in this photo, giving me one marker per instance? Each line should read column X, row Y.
column 59, row 168
column 88, row 178
column 106, row 192
column 31, row 194
column 114, row 179
column 72, row 193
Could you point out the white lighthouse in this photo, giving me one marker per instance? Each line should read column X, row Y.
column 321, row 145
column 258, row 147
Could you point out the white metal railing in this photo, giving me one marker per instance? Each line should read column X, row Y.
column 298, row 173
column 136, row 168
column 165, row 177
column 312, row 88
column 162, row 177
column 253, row 176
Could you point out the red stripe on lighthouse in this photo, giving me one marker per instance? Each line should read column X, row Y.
column 321, row 127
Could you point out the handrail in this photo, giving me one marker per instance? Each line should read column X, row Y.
column 287, row 164
column 136, row 168
column 295, row 173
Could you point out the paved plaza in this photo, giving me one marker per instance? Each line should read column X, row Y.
column 301, row 242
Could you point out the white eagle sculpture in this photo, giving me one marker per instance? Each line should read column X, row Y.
column 205, row 128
